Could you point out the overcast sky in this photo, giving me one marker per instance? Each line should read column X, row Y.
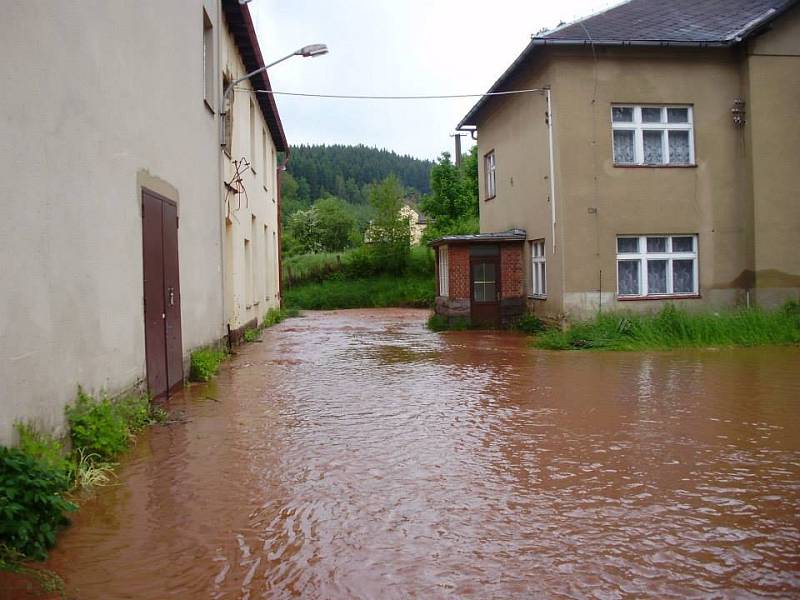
column 395, row 47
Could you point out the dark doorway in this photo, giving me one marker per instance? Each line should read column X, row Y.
column 162, row 295
column 484, row 282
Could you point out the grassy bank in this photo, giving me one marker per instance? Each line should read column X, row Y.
column 674, row 328
column 375, row 292
column 358, row 279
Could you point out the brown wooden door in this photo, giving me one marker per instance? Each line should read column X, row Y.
column 484, row 282
column 162, row 308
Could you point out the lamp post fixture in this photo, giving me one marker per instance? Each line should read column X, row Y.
column 311, row 50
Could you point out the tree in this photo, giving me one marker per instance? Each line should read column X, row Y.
column 335, row 224
column 452, row 207
column 389, row 232
column 302, row 232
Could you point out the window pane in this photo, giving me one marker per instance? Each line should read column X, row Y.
column 477, row 272
column 677, row 115
column 683, row 276
column 627, row 245
column 679, row 147
column 628, row 276
column 622, row 114
column 543, row 283
column 651, row 115
column 488, row 271
column 653, row 150
column 656, row 244
column 682, row 244
column 479, row 292
column 656, row 276
column 489, row 292
column 623, row 146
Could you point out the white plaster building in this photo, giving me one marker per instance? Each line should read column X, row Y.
column 115, row 238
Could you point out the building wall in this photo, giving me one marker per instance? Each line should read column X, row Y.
column 87, row 120
column 596, row 201
column 251, row 218
column 515, row 128
column 772, row 92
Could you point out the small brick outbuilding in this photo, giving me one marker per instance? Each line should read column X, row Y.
column 480, row 277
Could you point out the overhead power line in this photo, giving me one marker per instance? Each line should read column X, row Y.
column 366, row 97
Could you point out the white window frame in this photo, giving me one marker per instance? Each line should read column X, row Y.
column 490, row 170
column 444, row 273
column 642, row 256
column 638, row 128
column 538, row 269
column 208, row 61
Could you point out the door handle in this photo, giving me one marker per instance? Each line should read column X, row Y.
column 171, row 296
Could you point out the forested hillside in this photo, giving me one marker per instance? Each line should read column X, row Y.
column 343, row 171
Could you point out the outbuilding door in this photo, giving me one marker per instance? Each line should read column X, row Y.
column 162, row 294
column 484, row 290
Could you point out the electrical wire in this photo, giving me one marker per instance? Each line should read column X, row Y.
column 366, row 97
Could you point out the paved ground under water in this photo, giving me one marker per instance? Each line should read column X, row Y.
column 354, row 454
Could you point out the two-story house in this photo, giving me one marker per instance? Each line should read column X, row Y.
column 650, row 153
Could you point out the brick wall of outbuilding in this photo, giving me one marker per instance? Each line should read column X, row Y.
column 458, row 260
column 512, row 276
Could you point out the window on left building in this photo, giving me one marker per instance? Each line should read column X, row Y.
column 208, row 61
column 490, row 173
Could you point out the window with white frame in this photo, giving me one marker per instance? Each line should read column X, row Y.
column 538, row 270
column 489, row 171
column 208, row 60
column 656, row 265
column 444, row 276
column 652, row 135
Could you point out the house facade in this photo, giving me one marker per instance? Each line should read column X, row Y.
column 113, row 255
column 251, row 139
column 654, row 160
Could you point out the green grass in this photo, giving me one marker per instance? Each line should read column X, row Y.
column 674, row 328
column 205, row 363
column 383, row 291
column 312, row 268
column 441, row 323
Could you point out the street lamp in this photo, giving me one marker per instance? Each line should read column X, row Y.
column 311, row 50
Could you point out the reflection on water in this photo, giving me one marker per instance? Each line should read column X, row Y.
column 354, row 454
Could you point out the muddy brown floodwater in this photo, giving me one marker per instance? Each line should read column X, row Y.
column 354, row 454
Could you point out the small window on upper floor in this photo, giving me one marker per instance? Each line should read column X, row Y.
column 652, row 135
column 208, row 61
column 489, row 168
column 252, row 136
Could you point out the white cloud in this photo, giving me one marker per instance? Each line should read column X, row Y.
column 394, row 47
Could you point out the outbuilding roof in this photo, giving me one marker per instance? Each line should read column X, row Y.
column 512, row 235
column 703, row 23
column 241, row 26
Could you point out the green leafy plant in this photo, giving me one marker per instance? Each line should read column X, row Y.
column 205, row 363
column 529, row 324
column 32, row 506
column 98, row 426
column 44, row 448
column 251, row 335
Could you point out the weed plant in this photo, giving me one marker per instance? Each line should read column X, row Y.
column 675, row 328
column 529, row 324
column 205, row 363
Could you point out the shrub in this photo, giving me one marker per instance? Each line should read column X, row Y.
column 97, row 426
column 438, row 323
column 32, row 508
column 364, row 293
column 251, row 335
column 205, row 363
column 46, row 449
column 441, row 323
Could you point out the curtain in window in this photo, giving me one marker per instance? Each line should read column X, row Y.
column 656, row 276
column 679, row 147
column 623, row 146
column 628, row 276
column 653, row 150
column 683, row 276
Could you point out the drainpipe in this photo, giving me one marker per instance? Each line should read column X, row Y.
column 552, row 168
column 281, row 169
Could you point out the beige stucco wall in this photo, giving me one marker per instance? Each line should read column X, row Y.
column 772, row 75
column 98, row 97
column 251, row 217
column 597, row 201
column 515, row 128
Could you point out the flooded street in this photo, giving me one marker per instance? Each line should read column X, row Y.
column 355, row 454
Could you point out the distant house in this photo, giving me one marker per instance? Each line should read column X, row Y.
column 416, row 222
column 657, row 161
